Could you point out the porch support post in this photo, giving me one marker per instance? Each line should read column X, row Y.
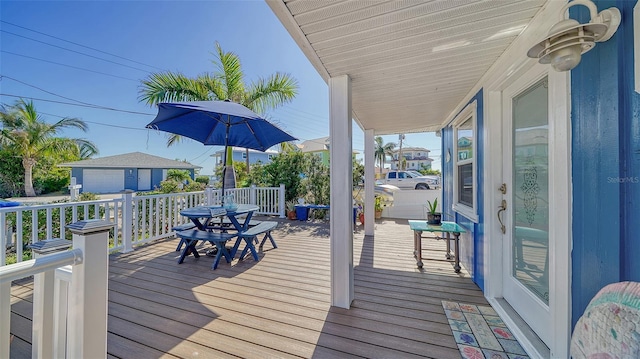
column 369, row 179
column 340, row 155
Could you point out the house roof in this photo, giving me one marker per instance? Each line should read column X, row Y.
column 412, row 64
column 411, row 149
column 130, row 160
column 315, row 145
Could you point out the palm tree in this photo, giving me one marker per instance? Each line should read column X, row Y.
column 382, row 150
column 30, row 137
column 226, row 83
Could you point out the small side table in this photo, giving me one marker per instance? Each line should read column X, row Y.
column 446, row 227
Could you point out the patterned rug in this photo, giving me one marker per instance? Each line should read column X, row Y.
column 480, row 333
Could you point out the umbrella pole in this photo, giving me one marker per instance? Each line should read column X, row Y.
column 224, row 168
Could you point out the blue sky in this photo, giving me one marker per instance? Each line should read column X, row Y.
column 146, row 37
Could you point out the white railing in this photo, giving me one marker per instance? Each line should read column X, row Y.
column 65, row 304
column 138, row 219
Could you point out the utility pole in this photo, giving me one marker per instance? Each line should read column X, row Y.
column 400, row 138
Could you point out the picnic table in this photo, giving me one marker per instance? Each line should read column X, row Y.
column 218, row 234
column 202, row 216
column 446, row 227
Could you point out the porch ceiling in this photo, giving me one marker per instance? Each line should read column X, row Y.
column 411, row 62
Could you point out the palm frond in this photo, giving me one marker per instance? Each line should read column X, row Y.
column 214, row 87
column 266, row 94
column 230, row 73
column 171, row 87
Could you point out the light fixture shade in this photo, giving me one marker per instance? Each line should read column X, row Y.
column 568, row 39
column 566, row 59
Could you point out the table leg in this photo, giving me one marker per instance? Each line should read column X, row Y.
column 222, row 251
column 456, row 267
column 418, row 247
column 188, row 249
column 448, row 254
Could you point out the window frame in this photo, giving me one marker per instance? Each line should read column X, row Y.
column 469, row 112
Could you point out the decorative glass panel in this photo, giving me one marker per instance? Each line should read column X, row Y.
column 530, row 260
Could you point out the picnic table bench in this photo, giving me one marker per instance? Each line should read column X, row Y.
column 251, row 235
column 192, row 236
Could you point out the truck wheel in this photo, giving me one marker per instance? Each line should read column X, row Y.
column 422, row 186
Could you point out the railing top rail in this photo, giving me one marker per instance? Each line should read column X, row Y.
column 164, row 195
column 34, row 266
column 57, row 205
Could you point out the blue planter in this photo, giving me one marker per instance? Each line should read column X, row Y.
column 302, row 212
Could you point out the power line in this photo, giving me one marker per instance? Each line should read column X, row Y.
column 43, row 90
column 74, row 51
column 77, row 44
column 80, row 105
column 73, row 67
column 98, row 123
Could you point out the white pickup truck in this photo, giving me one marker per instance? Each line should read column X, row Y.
column 410, row 180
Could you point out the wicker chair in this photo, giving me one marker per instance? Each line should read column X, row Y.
column 610, row 326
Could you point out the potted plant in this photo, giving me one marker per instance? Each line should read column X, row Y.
column 360, row 214
column 291, row 209
column 433, row 216
column 377, row 207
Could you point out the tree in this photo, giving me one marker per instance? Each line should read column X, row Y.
column 227, row 83
column 382, row 150
column 32, row 139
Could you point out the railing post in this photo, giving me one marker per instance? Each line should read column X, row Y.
column 127, row 220
column 209, row 193
column 281, row 201
column 252, row 195
column 87, row 334
column 5, row 323
column 43, row 304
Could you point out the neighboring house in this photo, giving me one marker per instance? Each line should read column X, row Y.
column 416, row 158
column 240, row 155
column 320, row 147
column 540, row 166
column 135, row 171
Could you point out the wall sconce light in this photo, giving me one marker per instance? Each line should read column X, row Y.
column 569, row 39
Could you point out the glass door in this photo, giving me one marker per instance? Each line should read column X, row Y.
column 526, row 238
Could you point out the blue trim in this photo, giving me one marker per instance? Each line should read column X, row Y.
column 472, row 257
column 605, row 143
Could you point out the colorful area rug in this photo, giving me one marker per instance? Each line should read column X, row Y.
column 480, row 333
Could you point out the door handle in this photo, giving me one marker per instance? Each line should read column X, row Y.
column 502, row 208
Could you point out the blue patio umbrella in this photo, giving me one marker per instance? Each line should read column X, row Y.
column 222, row 123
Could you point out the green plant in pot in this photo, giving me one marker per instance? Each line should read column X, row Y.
column 433, row 216
column 291, row 209
column 377, row 207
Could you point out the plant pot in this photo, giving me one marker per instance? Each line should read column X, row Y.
column 434, row 218
column 378, row 214
column 291, row 215
column 361, row 218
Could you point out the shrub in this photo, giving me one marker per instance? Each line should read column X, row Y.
column 194, row 187
column 203, row 179
column 87, row 196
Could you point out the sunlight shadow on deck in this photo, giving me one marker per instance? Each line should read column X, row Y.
column 397, row 311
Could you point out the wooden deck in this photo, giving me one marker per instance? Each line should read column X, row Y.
column 278, row 307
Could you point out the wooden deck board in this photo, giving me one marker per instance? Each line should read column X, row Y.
column 278, row 307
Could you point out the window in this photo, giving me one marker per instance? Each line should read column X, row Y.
column 244, row 155
column 270, row 157
column 464, row 166
column 392, row 175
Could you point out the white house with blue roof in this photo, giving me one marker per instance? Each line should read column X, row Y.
column 135, row 171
